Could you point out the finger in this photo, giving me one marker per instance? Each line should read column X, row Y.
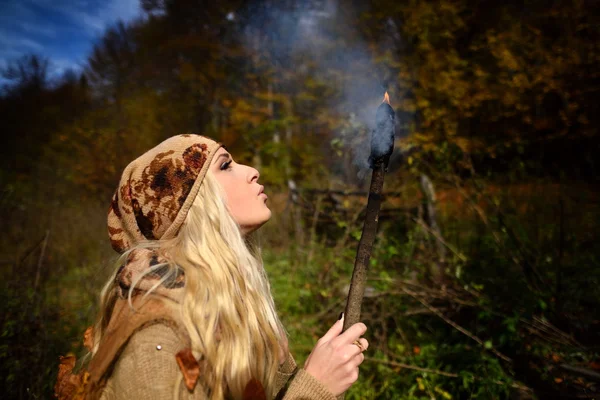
column 334, row 331
column 351, row 334
column 358, row 359
column 364, row 342
column 355, row 349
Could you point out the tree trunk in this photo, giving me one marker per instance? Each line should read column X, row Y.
column 437, row 267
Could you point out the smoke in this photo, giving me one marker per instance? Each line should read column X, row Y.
column 324, row 34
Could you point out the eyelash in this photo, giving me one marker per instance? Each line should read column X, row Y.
column 226, row 165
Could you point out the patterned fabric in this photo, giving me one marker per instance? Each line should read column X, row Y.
column 137, row 264
column 152, row 200
column 157, row 189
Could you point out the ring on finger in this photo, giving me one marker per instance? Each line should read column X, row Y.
column 359, row 344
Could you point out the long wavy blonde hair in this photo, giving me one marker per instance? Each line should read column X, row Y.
column 227, row 307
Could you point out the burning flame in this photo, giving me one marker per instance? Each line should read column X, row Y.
column 386, row 98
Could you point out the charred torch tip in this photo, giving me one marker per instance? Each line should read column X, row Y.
column 386, row 98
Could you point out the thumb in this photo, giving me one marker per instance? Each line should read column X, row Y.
column 335, row 330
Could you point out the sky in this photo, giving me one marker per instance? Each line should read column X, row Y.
column 64, row 31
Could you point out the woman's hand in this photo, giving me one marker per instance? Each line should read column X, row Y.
column 335, row 359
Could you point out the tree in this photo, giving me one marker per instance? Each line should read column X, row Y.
column 25, row 75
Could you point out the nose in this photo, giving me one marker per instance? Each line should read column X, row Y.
column 253, row 175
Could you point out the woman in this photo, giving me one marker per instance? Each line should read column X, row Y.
column 189, row 313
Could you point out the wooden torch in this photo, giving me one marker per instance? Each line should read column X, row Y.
column 382, row 145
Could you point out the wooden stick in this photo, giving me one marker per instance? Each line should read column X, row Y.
column 363, row 253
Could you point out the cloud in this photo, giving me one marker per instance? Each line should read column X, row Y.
column 62, row 30
column 94, row 16
column 59, row 66
column 12, row 9
column 28, row 43
column 35, row 29
column 12, row 41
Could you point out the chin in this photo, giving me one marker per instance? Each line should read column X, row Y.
column 268, row 215
column 257, row 222
column 265, row 218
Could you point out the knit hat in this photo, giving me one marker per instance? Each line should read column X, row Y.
column 157, row 189
column 153, row 198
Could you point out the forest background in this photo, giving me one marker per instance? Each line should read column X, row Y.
column 484, row 281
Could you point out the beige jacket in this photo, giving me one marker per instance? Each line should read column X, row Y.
column 145, row 349
column 156, row 371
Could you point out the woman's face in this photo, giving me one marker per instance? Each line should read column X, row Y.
column 245, row 198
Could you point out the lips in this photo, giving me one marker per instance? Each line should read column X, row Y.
column 261, row 190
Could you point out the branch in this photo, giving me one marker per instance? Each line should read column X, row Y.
column 455, row 325
column 580, row 370
column 40, row 260
column 344, row 193
column 440, row 239
column 444, row 373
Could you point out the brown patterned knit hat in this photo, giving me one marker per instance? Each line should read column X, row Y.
column 157, row 189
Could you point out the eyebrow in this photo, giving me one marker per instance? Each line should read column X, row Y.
column 227, row 155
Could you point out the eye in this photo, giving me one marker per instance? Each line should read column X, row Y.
column 226, row 165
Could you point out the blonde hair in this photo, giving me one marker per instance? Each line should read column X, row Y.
column 227, row 307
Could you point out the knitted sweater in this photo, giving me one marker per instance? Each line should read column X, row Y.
column 147, row 369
